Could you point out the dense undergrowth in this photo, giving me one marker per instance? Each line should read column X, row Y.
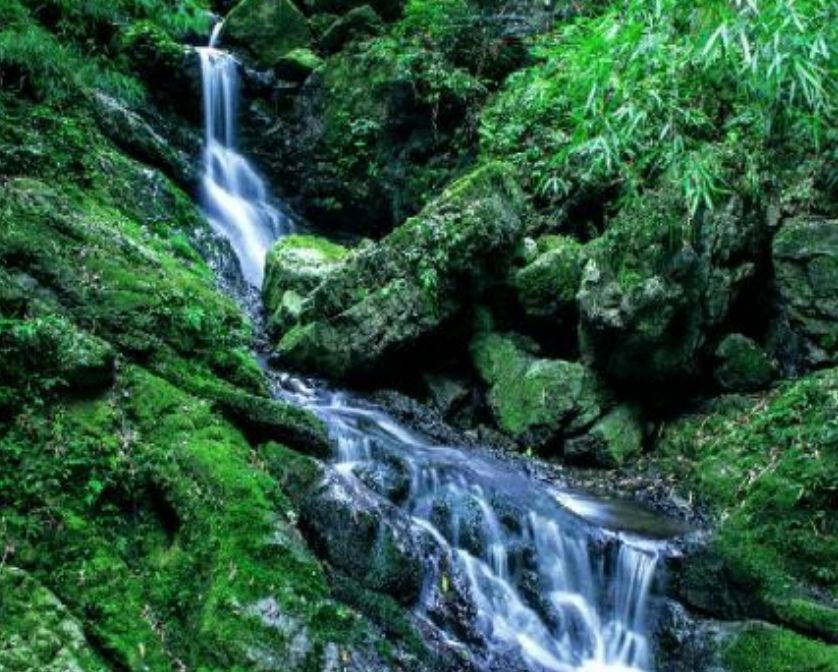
column 722, row 97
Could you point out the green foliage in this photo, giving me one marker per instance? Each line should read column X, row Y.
column 711, row 92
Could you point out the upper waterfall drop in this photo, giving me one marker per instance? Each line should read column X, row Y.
column 235, row 198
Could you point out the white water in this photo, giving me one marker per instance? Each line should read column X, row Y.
column 551, row 588
column 235, row 199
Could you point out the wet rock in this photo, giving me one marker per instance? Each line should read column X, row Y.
column 656, row 285
column 388, row 296
column 266, row 419
column 266, row 29
column 358, row 23
column 295, row 267
column 136, row 137
column 536, row 400
column 447, row 393
column 614, row 439
column 805, row 260
column 37, row 631
column 367, row 539
column 742, row 365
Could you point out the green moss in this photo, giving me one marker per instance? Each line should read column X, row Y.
column 528, row 394
column 298, row 64
column 743, row 365
column 37, row 632
column 760, row 647
column 547, row 286
column 764, row 465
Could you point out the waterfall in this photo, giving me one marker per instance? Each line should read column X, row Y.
column 235, row 198
column 554, row 579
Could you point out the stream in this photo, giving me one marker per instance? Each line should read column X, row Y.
column 517, row 572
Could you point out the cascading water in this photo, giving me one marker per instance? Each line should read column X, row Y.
column 552, row 583
column 235, row 198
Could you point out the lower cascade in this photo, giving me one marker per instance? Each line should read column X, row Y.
column 550, row 579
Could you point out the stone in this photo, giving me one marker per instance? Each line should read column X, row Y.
column 657, row 284
column 295, row 267
column 742, row 366
column 537, row 401
column 389, row 296
column 266, row 30
column 615, row 439
column 546, row 287
column 297, row 65
column 805, row 260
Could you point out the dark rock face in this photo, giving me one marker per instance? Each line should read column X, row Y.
column 652, row 291
column 386, row 297
column 805, row 260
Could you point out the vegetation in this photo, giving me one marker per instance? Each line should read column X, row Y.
column 712, row 93
column 607, row 219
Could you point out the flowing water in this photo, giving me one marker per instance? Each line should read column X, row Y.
column 552, row 579
column 235, row 198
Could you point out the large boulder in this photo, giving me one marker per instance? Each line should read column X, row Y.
column 805, row 259
column 537, row 401
column 388, row 296
column 266, row 29
column 763, row 467
column 658, row 283
column 296, row 265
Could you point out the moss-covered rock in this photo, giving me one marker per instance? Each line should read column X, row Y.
column 614, row 439
column 547, row 285
column 357, row 24
column 43, row 353
column 805, row 257
column 388, row 296
column 297, row 65
column 769, row 649
column 266, row 29
column 657, row 283
column 372, row 136
column 37, row 632
column 763, row 465
column 742, row 365
column 296, row 265
column 537, row 401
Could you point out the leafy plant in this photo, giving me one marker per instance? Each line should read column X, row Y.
column 709, row 92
